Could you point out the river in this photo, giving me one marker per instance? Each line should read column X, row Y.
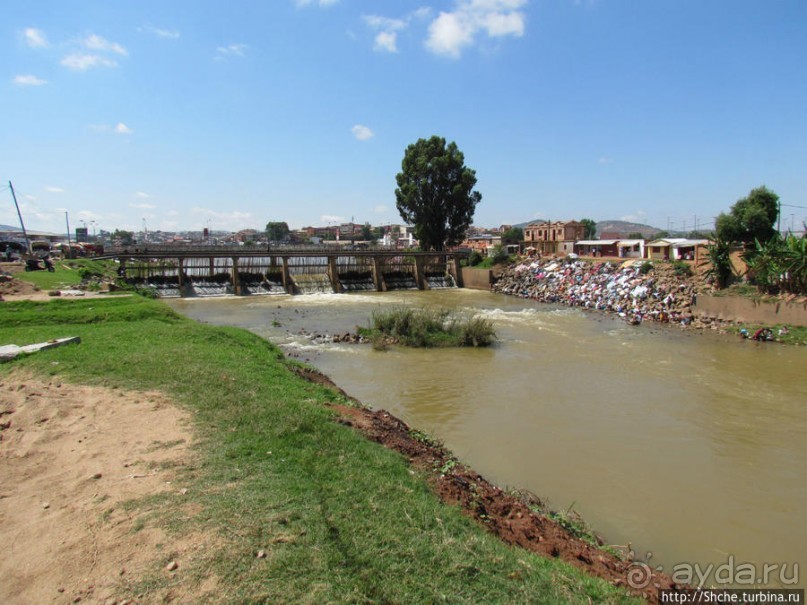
column 689, row 445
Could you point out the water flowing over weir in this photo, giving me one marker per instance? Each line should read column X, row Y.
column 174, row 271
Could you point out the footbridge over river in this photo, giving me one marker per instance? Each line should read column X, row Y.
column 219, row 270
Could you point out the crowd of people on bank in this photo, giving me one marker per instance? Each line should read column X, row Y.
column 631, row 289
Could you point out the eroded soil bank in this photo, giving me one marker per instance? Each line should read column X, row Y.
column 513, row 517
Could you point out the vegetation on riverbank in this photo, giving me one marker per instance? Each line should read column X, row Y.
column 416, row 327
column 72, row 273
column 338, row 518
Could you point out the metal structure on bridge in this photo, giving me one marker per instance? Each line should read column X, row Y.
column 243, row 270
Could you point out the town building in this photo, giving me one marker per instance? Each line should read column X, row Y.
column 553, row 237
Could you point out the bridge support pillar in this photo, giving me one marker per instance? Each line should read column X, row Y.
column 181, row 275
column 420, row 278
column 333, row 275
column 288, row 284
column 378, row 276
column 236, row 277
column 455, row 270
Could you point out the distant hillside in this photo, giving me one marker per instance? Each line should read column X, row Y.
column 624, row 228
column 9, row 228
column 522, row 225
column 612, row 226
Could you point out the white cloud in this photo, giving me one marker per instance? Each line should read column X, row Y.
column 52, row 189
column 83, row 61
column 323, row 3
column 380, row 209
column 328, row 218
column 95, row 42
column 386, row 41
column 362, row 133
column 94, row 51
column 384, row 23
column 142, row 195
column 168, row 34
column 224, row 220
column 35, row 38
column 122, row 128
column 605, row 160
column 451, row 32
column 233, row 50
column 640, row 216
column 29, row 80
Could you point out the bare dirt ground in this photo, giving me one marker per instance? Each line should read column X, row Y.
column 70, row 458
column 15, row 289
column 12, row 288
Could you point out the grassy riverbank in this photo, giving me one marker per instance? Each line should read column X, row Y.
column 340, row 518
column 67, row 273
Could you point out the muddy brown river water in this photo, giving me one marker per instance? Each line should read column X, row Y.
column 690, row 446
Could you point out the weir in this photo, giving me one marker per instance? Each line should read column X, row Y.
column 185, row 271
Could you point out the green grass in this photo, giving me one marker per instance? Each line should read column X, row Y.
column 68, row 273
column 794, row 335
column 342, row 519
column 417, row 327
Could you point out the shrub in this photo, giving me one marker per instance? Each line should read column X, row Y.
column 499, row 255
column 682, row 268
column 429, row 328
column 718, row 258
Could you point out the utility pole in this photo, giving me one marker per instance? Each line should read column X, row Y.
column 19, row 214
column 67, row 224
column 779, row 218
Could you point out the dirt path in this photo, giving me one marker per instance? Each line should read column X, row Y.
column 70, row 457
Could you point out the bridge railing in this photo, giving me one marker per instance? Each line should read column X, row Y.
column 280, row 250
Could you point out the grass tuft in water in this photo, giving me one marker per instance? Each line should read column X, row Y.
column 415, row 327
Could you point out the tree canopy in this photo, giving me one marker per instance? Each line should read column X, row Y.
column 435, row 192
column 590, row 228
column 126, row 237
column 276, row 231
column 750, row 218
column 513, row 235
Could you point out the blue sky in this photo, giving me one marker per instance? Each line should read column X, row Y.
column 186, row 114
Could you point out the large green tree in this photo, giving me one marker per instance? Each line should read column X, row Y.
column 513, row 235
column 276, row 231
column 589, row 228
column 435, row 192
column 750, row 218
